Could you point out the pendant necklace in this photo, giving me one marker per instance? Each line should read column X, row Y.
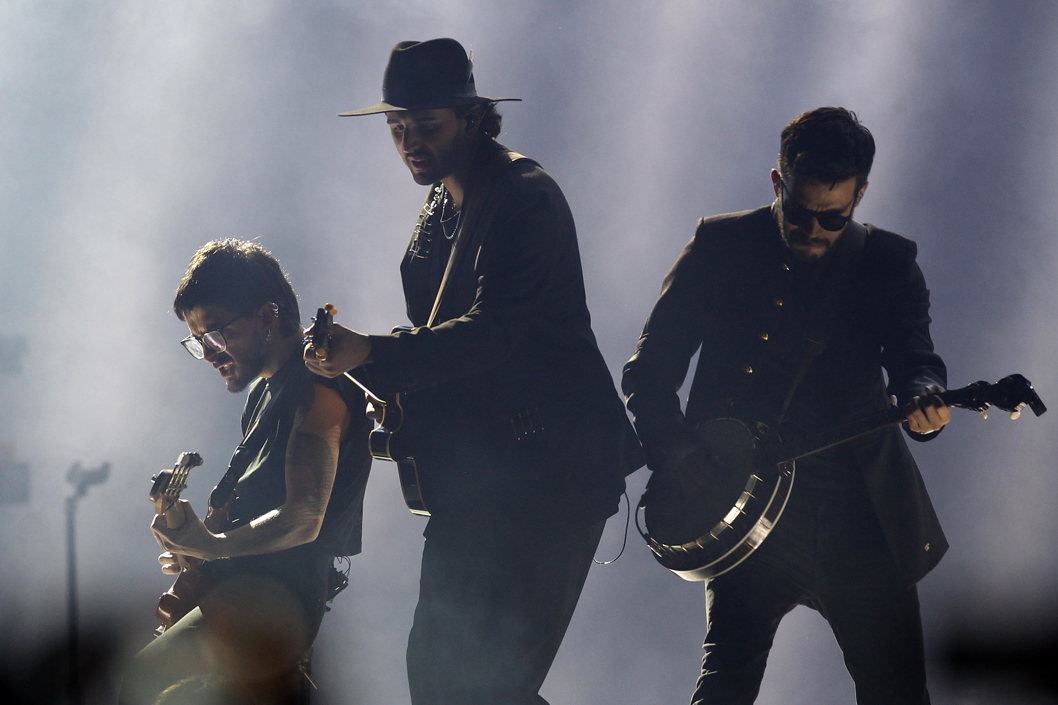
column 449, row 218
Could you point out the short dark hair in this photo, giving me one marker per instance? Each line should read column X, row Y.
column 240, row 276
column 491, row 120
column 827, row 145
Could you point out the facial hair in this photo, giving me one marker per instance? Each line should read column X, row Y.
column 245, row 370
column 796, row 239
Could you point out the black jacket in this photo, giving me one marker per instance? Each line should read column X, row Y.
column 515, row 410
column 731, row 293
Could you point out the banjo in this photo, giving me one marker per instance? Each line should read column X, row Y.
column 742, row 481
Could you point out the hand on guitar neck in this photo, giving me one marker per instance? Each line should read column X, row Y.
column 179, row 531
column 172, row 518
column 332, row 349
column 928, row 413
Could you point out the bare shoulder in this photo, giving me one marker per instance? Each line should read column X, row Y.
column 320, row 407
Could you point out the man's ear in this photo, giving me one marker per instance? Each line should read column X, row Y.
column 268, row 312
column 473, row 117
column 776, row 181
column 859, row 196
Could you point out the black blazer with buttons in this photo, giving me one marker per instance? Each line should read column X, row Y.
column 729, row 297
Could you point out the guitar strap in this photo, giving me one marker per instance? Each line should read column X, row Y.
column 456, row 247
column 810, row 350
column 473, row 207
column 815, row 339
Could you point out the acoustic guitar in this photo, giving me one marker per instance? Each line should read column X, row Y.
column 742, row 481
column 385, row 441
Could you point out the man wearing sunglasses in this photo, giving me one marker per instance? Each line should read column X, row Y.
column 795, row 310
column 290, row 502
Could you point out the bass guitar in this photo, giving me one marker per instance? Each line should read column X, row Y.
column 384, row 441
column 704, row 528
column 184, row 595
column 191, row 584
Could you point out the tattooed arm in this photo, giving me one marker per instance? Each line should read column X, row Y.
column 311, row 461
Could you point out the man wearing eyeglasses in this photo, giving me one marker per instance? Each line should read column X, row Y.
column 290, row 502
column 795, row 309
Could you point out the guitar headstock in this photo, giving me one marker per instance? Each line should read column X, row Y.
column 1011, row 394
column 168, row 484
column 319, row 334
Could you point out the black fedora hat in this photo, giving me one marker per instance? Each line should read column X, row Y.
column 425, row 75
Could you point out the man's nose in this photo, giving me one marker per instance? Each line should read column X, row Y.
column 409, row 139
column 814, row 229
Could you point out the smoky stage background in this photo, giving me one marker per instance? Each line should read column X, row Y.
column 132, row 132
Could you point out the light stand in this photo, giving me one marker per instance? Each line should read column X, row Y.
column 80, row 479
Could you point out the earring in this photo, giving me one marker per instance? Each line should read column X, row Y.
column 268, row 335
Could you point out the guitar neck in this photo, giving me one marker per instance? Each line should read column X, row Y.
column 370, row 395
column 319, row 336
column 816, row 442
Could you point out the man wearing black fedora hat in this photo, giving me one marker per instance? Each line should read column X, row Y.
column 511, row 415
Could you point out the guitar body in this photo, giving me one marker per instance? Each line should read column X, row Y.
column 385, row 442
column 183, row 596
column 706, row 532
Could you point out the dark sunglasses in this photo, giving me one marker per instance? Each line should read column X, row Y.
column 798, row 215
column 213, row 340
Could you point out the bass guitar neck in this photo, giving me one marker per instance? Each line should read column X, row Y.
column 183, row 596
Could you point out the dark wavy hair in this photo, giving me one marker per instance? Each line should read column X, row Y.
column 240, row 276
column 827, row 145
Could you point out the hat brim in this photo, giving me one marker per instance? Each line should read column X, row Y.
column 446, row 103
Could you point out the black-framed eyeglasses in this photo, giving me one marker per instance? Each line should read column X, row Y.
column 213, row 340
column 802, row 217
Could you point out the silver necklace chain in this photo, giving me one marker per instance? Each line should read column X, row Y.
column 449, row 220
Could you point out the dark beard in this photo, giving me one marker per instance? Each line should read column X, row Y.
column 799, row 240
column 246, row 371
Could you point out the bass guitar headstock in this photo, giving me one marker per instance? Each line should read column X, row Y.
column 319, row 333
column 168, row 484
column 1011, row 394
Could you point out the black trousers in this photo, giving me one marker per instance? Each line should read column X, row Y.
column 828, row 553
column 492, row 612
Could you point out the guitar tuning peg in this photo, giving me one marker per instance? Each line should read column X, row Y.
column 984, row 414
column 1015, row 413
